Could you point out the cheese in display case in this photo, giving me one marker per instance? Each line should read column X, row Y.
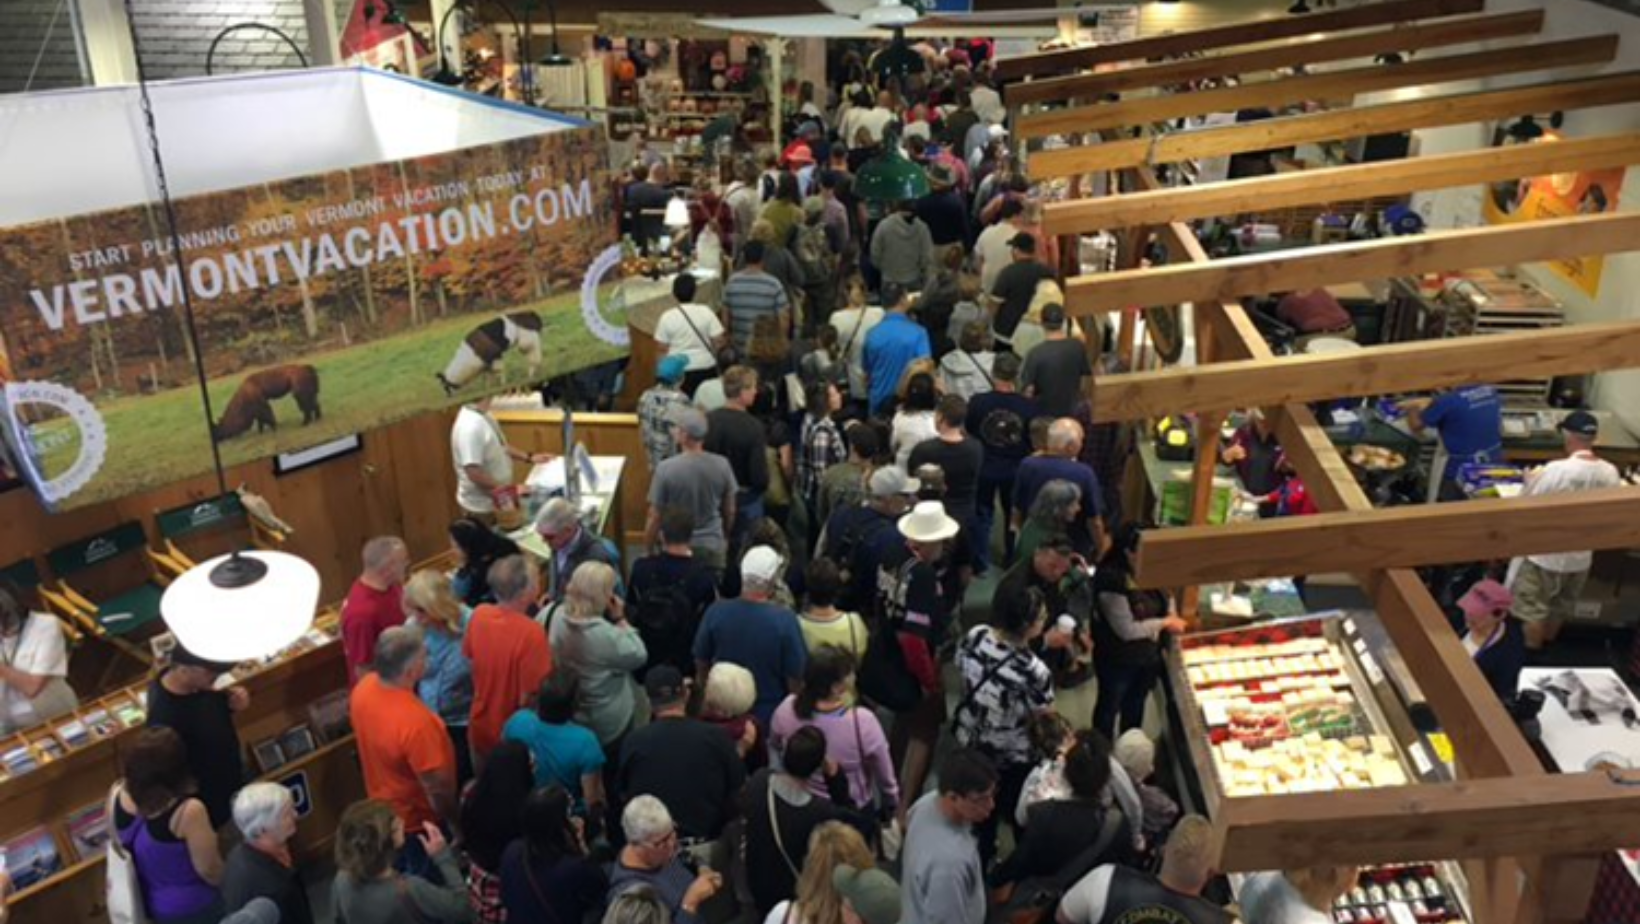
column 1284, row 711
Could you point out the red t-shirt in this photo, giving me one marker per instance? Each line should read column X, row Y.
column 399, row 740
column 510, row 658
column 366, row 614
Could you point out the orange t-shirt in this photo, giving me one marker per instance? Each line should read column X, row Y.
column 510, row 658
column 399, row 739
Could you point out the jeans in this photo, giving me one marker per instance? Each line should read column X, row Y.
column 1010, row 783
column 1123, row 689
column 748, row 511
column 994, row 491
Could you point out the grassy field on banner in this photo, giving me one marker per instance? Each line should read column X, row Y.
column 359, row 390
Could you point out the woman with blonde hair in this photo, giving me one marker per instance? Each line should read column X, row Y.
column 447, row 687
column 832, row 845
column 368, row 890
column 594, row 644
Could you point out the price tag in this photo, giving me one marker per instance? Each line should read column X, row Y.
column 1349, row 625
column 1360, row 647
column 1420, row 759
column 1442, row 746
column 1375, row 675
column 1216, row 713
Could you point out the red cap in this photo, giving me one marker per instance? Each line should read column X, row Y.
column 1486, row 598
column 797, row 153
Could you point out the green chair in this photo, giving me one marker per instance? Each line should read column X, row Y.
column 122, row 618
column 196, row 524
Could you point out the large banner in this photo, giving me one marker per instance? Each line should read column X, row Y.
column 326, row 305
column 1561, row 195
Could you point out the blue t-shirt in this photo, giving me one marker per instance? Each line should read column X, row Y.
column 895, row 343
column 563, row 753
column 764, row 638
column 1470, row 421
column 1039, row 470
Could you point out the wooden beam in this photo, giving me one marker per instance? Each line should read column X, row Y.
column 1391, row 537
column 1413, row 37
column 1330, row 85
column 1416, row 365
column 1298, row 270
column 1241, row 33
column 1339, row 184
column 1574, row 813
column 1427, row 112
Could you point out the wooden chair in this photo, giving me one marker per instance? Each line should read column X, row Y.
column 25, row 575
column 124, row 618
column 202, row 530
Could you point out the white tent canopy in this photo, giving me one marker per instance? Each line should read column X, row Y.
column 74, row 152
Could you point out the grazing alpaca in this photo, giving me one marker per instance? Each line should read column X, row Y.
column 251, row 402
column 488, row 342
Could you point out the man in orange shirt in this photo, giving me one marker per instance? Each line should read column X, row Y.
column 508, row 651
column 406, row 753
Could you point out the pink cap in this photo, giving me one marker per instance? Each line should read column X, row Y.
column 1486, row 598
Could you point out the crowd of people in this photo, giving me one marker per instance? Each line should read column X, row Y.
column 790, row 707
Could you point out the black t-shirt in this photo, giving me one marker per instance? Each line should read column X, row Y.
column 1015, row 286
column 205, row 724
column 739, row 437
column 690, row 766
column 960, row 462
column 768, row 876
column 662, row 580
column 1054, row 369
column 1002, row 424
column 919, row 598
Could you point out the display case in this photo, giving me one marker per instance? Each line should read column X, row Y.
column 1306, row 705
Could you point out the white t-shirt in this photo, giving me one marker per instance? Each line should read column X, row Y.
column 852, row 326
column 874, row 120
column 911, row 428
column 38, row 650
column 476, row 440
column 674, row 333
column 1575, row 473
column 917, row 129
column 709, row 396
column 994, row 252
column 777, row 914
column 1084, row 903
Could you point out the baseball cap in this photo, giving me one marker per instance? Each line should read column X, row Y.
column 1485, row 598
column 872, row 893
column 892, row 294
column 761, row 563
column 1582, row 423
column 664, row 684
column 672, row 368
column 1053, row 317
column 812, row 206
column 889, row 481
column 691, row 421
column 1022, row 242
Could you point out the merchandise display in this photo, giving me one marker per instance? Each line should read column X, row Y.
column 1392, row 894
column 1283, row 711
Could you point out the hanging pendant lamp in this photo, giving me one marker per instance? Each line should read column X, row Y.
column 891, row 176
column 248, row 604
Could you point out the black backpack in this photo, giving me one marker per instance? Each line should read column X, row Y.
column 666, row 619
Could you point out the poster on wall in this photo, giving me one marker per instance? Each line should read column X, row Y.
column 370, row 38
column 327, row 305
column 1560, row 195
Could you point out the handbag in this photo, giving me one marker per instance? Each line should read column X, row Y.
column 535, row 887
column 124, row 889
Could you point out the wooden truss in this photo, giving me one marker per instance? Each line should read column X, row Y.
column 1526, row 839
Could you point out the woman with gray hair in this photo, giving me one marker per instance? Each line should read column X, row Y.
column 731, row 691
column 593, row 643
column 33, row 663
column 261, row 865
column 1056, row 507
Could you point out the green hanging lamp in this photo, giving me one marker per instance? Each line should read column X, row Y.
column 891, row 176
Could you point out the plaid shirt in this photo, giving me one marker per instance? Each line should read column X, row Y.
column 655, row 409
column 822, row 448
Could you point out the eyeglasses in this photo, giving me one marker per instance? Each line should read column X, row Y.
column 988, row 797
column 665, row 840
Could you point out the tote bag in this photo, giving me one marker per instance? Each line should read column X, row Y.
column 124, row 888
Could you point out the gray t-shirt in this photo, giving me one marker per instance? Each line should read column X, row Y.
column 699, row 482
column 1055, row 369
column 942, row 879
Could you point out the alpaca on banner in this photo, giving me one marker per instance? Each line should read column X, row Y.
column 488, row 342
column 252, row 401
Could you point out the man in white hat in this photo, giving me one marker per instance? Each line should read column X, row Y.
column 756, row 633
column 916, row 602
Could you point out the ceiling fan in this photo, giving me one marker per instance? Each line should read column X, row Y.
column 868, row 19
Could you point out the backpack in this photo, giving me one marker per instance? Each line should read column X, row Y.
column 665, row 617
column 813, row 251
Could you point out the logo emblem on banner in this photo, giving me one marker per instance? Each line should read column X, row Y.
column 591, row 310
column 35, row 433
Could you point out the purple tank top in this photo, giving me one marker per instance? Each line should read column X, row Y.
column 170, row 886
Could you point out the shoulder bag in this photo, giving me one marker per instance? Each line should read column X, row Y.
column 889, row 836
column 704, row 340
column 124, row 889
column 774, row 826
column 535, row 888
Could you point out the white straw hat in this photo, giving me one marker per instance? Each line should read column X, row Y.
column 927, row 522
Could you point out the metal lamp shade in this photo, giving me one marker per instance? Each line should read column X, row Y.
column 245, row 622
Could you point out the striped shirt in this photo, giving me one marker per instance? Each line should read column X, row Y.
column 749, row 295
